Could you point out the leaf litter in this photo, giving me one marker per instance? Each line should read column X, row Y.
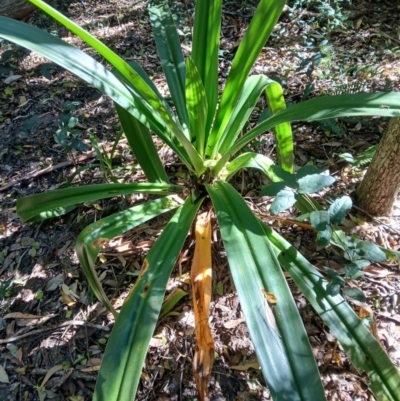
column 53, row 332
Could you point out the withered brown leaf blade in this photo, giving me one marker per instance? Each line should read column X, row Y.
column 201, row 276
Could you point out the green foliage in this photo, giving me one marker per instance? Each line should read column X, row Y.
column 105, row 159
column 5, row 66
column 206, row 136
column 307, row 180
column 338, row 209
column 364, row 158
column 310, row 179
column 328, row 15
column 67, row 136
column 332, row 125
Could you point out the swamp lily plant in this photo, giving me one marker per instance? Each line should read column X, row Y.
column 205, row 130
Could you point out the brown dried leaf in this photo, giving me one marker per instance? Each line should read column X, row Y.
column 233, row 323
column 246, row 366
column 201, row 276
column 67, row 299
column 20, row 315
column 364, row 312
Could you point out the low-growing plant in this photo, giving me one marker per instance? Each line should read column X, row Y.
column 67, row 136
column 204, row 130
column 360, row 160
column 105, row 158
column 328, row 15
column 310, row 179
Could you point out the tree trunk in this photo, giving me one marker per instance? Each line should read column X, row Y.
column 18, row 9
column 377, row 191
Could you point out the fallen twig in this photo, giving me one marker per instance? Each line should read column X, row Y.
column 285, row 220
column 377, row 220
column 76, row 374
column 47, row 170
column 55, row 327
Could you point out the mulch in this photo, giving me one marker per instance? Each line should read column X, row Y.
column 53, row 332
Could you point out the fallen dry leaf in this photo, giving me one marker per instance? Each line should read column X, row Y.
column 20, row 315
column 91, row 369
column 367, row 312
column 66, row 297
column 233, row 323
column 54, row 282
column 246, row 366
column 201, row 276
column 3, row 375
column 41, row 389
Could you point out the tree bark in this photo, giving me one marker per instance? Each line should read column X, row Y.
column 18, row 9
column 377, row 191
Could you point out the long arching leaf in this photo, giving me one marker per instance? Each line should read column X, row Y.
column 142, row 145
column 127, row 346
column 206, row 32
column 170, row 52
column 278, row 334
column 94, row 236
column 364, row 350
column 42, row 206
column 384, row 104
column 261, row 26
column 283, row 131
column 252, row 90
column 196, row 102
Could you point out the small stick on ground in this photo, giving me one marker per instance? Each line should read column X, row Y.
column 55, row 327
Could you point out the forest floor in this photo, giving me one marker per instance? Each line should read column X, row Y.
column 52, row 331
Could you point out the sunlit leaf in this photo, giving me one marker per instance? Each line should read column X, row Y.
column 94, row 236
column 127, row 346
column 319, row 219
column 338, row 209
column 196, row 106
column 201, row 278
column 314, row 183
column 284, row 199
column 283, row 131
